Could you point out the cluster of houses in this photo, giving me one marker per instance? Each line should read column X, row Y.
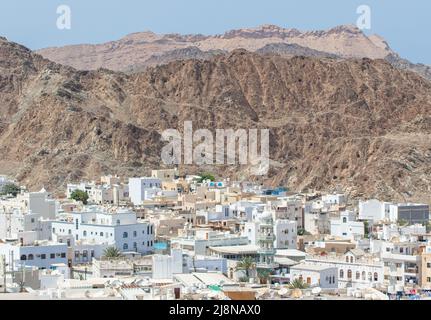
column 169, row 236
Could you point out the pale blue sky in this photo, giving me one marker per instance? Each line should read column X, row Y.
column 406, row 25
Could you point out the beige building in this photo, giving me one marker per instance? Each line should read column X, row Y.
column 425, row 270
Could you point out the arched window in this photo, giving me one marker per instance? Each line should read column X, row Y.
column 351, row 259
column 23, row 257
column 344, row 220
column 341, row 273
column 349, row 274
column 135, row 245
column 358, row 275
column 85, row 233
column 125, row 246
column 30, row 257
column 135, row 234
column 376, row 276
column 347, row 259
column 125, row 234
column 364, row 275
column 101, row 234
column 370, row 276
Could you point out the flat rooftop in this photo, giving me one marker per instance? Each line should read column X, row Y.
column 310, row 267
column 241, row 249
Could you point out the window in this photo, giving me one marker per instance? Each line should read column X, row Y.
column 428, row 265
column 76, row 254
column 429, row 279
column 135, row 234
column 101, row 234
column 135, row 245
column 341, row 273
column 85, row 233
column 344, row 220
column 52, row 256
column 125, row 234
column 349, row 274
column 370, row 276
column 43, row 256
column 376, row 276
column 23, row 257
column 63, row 255
column 118, row 222
column 70, row 231
column 85, row 254
column 351, row 259
column 125, row 246
column 347, row 259
column 358, row 275
column 364, row 275
column 30, row 257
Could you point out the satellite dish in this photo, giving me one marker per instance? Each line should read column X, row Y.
column 283, row 291
column 316, row 291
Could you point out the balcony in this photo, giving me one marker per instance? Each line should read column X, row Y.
column 273, row 265
column 266, row 238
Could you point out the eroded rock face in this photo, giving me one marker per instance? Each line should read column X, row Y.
column 138, row 50
column 357, row 124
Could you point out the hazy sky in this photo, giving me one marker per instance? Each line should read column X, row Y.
column 406, row 25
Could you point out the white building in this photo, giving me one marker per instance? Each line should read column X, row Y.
column 335, row 199
column 346, row 227
column 203, row 239
column 120, row 229
column 374, row 210
column 354, row 269
column 141, row 189
column 325, row 277
column 164, row 266
column 40, row 254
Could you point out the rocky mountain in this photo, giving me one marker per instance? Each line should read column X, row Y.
column 137, row 48
column 292, row 50
column 357, row 124
column 174, row 55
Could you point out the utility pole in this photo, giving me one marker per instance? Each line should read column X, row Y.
column 3, row 267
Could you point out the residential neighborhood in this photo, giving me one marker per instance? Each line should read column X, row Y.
column 174, row 236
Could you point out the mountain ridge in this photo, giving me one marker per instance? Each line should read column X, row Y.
column 357, row 124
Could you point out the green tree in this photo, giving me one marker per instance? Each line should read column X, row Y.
column 302, row 232
column 246, row 264
column 367, row 229
column 112, row 253
column 80, row 195
column 298, row 284
column 403, row 223
column 10, row 189
column 263, row 275
column 206, row 176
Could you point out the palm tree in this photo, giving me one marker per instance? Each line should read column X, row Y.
column 263, row 275
column 246, row 264
column 112, row 253
column 298, row 284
